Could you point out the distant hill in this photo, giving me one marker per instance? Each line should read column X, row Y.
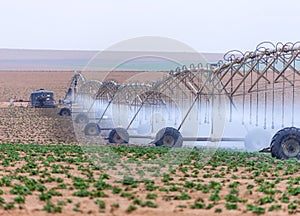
column 66, row 60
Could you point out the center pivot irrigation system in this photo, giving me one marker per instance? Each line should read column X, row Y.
column 246, row 98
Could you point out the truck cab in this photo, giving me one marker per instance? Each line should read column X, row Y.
column 42, row 99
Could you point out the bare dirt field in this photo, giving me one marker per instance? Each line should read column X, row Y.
column 56, row 177
column 20, row 84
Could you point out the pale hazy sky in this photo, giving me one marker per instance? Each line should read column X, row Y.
column 207, row 26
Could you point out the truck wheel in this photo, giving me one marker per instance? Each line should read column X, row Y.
column 81, row 118
column 257, row 139
column 118, row 135
column 64, row 112
column 285, row 143
column 92, row 129
column 169, row 137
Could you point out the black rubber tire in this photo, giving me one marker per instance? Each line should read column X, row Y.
column 65, row 112
column 169, row 137
column 285, row 143
column 118, row 136
column 257, row 139
column 82, row 118
column 92, row 129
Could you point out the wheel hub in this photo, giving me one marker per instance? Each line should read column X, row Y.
column 291, row 148
column 117, row 138
column 92, row 130
column 168, row 141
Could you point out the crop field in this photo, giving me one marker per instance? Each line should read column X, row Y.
column 41, row 179
column 45, row 171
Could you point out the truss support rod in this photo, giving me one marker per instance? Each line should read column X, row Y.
column 188, row 112
column 246, row 75
column 287, row 66
column 108, row 105
column 236, row 71
column 292, row 67
column 278, row 72
column 224, row 73
column 262, row 74
column 137, row 112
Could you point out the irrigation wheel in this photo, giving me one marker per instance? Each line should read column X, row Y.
column 81, row 118
column 118, row 135
column 286, row 143
column 92, row 129
column 64, row 111
column 169, row 137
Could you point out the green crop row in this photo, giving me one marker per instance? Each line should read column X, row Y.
column 60, row 177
